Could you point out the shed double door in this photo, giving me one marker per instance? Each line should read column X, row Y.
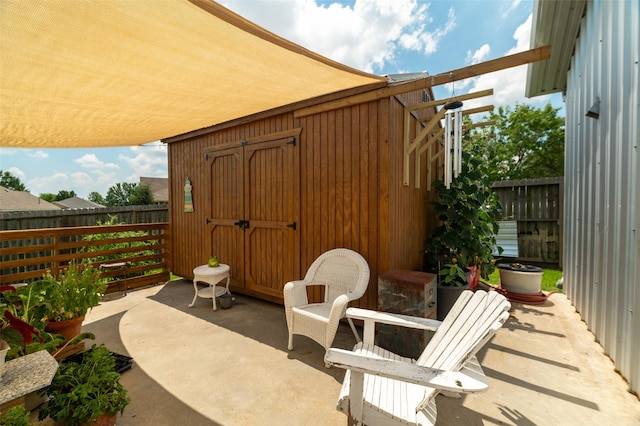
column 254, row 211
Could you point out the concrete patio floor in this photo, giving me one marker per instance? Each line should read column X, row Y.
column 194, row 366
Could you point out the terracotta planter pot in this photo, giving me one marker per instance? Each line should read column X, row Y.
column 105, row 420
column 4, row 348
column 68, row 328
column 474, row 277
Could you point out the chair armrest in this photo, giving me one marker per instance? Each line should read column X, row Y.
column 394, row 319
column 370, row 319
column 295, row 292
column 454, row 381
column 338, row 308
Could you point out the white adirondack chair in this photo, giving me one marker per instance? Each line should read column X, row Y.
column 382, row 388
column 345, row 276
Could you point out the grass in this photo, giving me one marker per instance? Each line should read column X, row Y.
column 549, row 278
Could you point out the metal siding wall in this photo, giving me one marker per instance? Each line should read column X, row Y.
column 602, row 248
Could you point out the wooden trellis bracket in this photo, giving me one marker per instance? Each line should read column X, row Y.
column 421, row 143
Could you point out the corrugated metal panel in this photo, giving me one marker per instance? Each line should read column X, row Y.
column 602, row 201
column 507, row 238
column 556, row 23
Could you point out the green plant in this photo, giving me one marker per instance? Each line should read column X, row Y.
column 109, row 247
column 83, row 391
column 22, row 320
column 26, row 302
column 78, row 288
column 468, row 213
column 15, row 416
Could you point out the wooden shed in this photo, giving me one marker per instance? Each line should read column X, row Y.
column 269, row 193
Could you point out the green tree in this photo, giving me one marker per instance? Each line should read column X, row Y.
column 96, row 198
column 141, row 195
column 47, row 196
column 10, row 181
column 525, row 143
column 63, row 195
column 120, row 194
column 128, row 194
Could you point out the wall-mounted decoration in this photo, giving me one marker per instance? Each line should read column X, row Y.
column 188, row 198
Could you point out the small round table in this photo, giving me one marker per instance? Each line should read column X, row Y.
column 211, row 276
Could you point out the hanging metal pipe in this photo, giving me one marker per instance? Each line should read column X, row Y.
column 458, row 142
column 447, row 150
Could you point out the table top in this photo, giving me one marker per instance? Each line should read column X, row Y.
column 206, row 270
column 27, row 374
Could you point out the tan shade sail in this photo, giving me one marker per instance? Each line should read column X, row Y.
column 127, row 72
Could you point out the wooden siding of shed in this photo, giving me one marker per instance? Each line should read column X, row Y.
column 412, row 217
column 340, row 181
column 351, row 189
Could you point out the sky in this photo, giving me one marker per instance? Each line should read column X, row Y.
column 377, row 36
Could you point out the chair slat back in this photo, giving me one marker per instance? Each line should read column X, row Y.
column 343, row 271
column 470, row 323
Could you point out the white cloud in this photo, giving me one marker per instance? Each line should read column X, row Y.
column 510, row 7
column 97, row 180
column 367, row 36
column 479, row 55
column 7, row 151
column 50, row 184
column 522, row 35
column 17, row 173
column 148, row 160
column 81, row 182
column 509, row 84
column 38, row 154
column 91, row 161
column 432, row 39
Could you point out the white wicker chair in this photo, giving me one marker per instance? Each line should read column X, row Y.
column 345, row 276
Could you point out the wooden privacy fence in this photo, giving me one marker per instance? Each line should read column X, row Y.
column 537, row 206
column 12, row 220
column 140, row 252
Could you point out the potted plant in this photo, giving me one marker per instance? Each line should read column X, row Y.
column 22, row 320
column 464, row 240
column 78, row 288
column 86, row 392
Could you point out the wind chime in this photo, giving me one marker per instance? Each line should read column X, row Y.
column 452, row 141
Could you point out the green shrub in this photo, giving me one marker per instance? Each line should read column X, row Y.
column 467, row 213
column 15, row 416
column 118, row 247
